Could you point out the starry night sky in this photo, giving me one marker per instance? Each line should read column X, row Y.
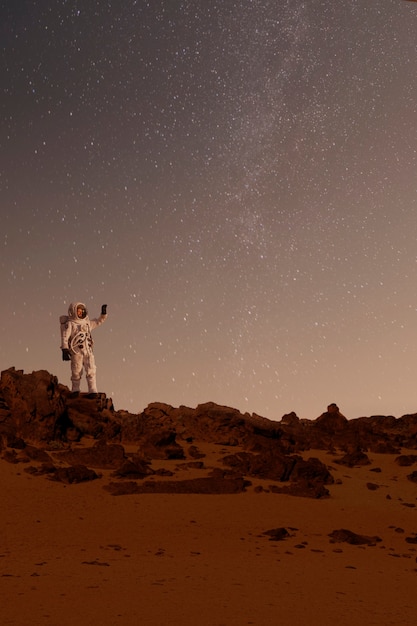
column 236, row 179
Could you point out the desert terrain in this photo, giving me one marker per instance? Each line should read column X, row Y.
column 105, row 546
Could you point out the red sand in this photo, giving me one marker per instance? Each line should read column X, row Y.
column 77, row 556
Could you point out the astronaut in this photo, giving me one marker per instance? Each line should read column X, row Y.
column 77, row 344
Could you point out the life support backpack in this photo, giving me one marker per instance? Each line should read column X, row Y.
column 63, row 320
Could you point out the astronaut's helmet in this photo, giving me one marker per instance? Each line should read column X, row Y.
column 81, row 311
column 77, row 311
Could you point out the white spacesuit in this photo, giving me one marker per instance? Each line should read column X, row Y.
column 77, row 344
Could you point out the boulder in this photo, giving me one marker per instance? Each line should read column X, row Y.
column 37, row 408
column 136, row 468
column 277, row 534
column 261, row 465
column 161, row 444
column 412, row 477
column 74, row 474
column 302, row 489
column 35, row 404
column 405, row 460
column 281, row 468
column 101, row 455
column 332, row 420
column 354, row 459
column 347, row 536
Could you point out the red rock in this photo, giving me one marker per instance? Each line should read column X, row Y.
column 347, row 536
column 195, row 486
column 101, row 455
column 354, row 459
column 134, row 469
column 405, row 460
column 277, row 534
column 412, row 477
column 74, row 474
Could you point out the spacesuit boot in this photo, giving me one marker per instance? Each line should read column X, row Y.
column 75, row 389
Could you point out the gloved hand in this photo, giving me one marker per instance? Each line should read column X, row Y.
column 104, row 309
column 66, row 354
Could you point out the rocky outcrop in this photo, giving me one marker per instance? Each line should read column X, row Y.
column 347, row 536
column 134, row 468
column 42, row 422
column 101, row 455
column 160, row 444
column 35, row 407
column 309, row 476
column 32, row 405
column 74, row 474
column 294, row 475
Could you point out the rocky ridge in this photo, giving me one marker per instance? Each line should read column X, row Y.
column 75, row 439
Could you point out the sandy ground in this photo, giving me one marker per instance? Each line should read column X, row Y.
column 75, row 555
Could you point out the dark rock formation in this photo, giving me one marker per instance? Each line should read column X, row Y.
column 267, row 465
column 32, row 405
column 412, row 477
column 405, row 460
column 195, row 485
column 37, row 408
column 136, row 468
column 44, row 468
column 332, row 420
column 74, row 474
column 101, row 455
column 279, row 467
column 161, row 444
column 90, row 416
column 277, row 534
column 307, row 478
column 354, row 459
column 194, row 453
column 303, row 489
column 42, row 423
column 347, row 536
column 34, row 454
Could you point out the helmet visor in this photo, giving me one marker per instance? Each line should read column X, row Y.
column 81, row 311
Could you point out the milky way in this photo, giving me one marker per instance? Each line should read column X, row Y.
column 236, row 180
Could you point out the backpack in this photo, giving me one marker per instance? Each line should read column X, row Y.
column 63, row 320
